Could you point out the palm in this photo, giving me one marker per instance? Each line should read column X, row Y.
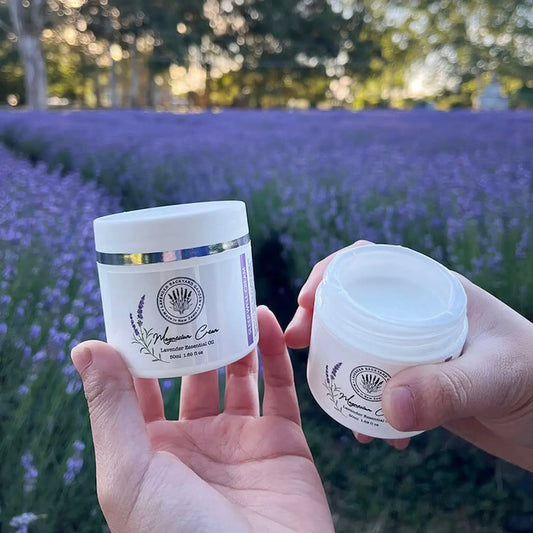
column 261, row 466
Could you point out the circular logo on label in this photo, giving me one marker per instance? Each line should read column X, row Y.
column 180, row 300
column 368, row 382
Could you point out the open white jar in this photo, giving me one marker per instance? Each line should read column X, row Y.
column 379, row 309
column 177, row 287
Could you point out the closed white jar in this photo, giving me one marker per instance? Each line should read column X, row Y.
column 380, row 309
column 177, row 287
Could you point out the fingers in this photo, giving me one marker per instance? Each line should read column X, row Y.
column 399, row 444
column 150, row 399
column 363, row 439
column 476, row 384
column 280, row 394
column 242, row 395
column 492, row 381
column 306, row 297
column 298, row 332
column 199, row 396
column 121, row 444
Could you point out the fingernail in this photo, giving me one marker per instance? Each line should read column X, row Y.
column 403, row 406
column 81, row 357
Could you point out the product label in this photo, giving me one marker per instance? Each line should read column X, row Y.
column 180, row 300
column 180, row 317
column 246, row 299
column 367, row 383
column 348, row 383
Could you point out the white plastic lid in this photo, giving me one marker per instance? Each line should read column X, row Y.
column 173, row 227
column 393, row 300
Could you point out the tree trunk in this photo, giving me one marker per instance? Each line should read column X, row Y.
column 134, row 83
column 28, row 24
column 152, row 96
column 113, row 81
column 97, row 89
column 207, row 91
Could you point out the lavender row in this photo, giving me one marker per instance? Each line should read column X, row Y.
column 50, row 301
column 457, row 186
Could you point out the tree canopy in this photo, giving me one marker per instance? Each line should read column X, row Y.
column 267, row 53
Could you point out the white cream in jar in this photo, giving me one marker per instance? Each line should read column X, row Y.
column 177, row 287
column 380, row 309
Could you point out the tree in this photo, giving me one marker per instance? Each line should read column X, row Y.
column 181, row 31
column 11, row 71
column 472, row 39
column 285, row 46
column 27, row 17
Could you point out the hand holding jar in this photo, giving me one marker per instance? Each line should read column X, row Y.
column 484, row 396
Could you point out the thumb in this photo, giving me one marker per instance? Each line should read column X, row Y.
column 121, row 443
column 427, row 396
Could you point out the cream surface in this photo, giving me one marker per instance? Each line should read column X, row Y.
column 395, row 299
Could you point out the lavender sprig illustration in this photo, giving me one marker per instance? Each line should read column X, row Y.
column 140, row 311
column 133, row 326
column 333, row 389
column 142, row 336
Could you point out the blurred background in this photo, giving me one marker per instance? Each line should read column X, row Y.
column 250, row 53
column 398, row 122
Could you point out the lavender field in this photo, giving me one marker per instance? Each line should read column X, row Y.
column 456, row 186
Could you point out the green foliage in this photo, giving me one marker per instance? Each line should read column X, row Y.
column 279, row 50
column 523, row 98
column 11, row 72
column 37, row 419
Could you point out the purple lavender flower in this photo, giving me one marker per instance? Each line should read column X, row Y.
column 35, row 331
column 73, row 343
column 78, row 445
column 23, row 521
column 166, row 384
column 93, row 322
column 71, row 321
column 69, row 370
column 39, row 356
column 522, row 246
column 73, row 386
column 31, row 473
column 327, row 375
column 74, row 463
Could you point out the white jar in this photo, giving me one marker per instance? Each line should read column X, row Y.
column 177, row 287
column 380, row 309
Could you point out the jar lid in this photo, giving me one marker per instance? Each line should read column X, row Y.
column 173, row 227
